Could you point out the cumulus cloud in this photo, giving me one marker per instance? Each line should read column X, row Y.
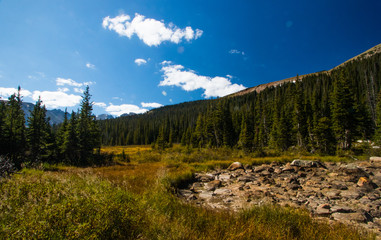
column 100, row 104
column 7, row 92
column 124, row 108
column 151, row 105
column 57, row 99
column 89, row 65
column 140, row 61
column 71, row 82
column 188, row 80
column 235, row 51
column 151, row 31
column 164, row 93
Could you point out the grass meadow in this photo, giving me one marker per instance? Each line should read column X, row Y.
column 135, row 199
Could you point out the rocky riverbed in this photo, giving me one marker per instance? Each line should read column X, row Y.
column 345, row 192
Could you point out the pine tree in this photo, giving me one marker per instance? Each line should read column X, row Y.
column 38, row 133
column 60, row 136
column 15, row 129
column 246, row 136
column 88, row 130
column 377, row 135
column 2, row 128
column 71, row 142
column 343, row 112
column 325, row 140
column 161, row 141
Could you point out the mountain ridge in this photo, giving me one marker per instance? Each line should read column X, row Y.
column 368, row 53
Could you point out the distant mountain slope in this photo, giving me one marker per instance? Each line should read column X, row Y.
column 374, row 50
column 266, row 105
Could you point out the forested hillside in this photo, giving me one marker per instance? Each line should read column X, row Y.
column 321, row 112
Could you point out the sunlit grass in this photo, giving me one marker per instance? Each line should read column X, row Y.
column 136, row 200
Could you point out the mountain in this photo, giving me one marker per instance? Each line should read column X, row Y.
column 372, row 51
column 303, row 112
column 104, row 117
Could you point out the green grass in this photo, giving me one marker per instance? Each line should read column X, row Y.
column 136, row 200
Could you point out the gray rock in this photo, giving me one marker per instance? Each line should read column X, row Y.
column 306, row 163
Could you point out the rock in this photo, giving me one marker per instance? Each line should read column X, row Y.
column 206, row 195
column 351, row 194
column 212, row 185
column 224, row 177
column 245, row 178
column 363, row 181
column 375, row 159
column 205, row 177
column 323, row 210
column 306, row 163
column 334, row 194
column 235, row 166
column 222, row 191
column 341, row 209
column 260, row 168
column 356, row 217
column 353, row 170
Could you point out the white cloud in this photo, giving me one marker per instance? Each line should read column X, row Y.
column 151, row 105
column 188, row 80
column 89, row 65
column 63, row 89
column 78, row 90
column 100, row 104
column 71, row 82
column 151, row 31
column 140, row 61
column 7, row 92
column 164, row 93
column 124, row 108
column 57, row 99
column 235, row 51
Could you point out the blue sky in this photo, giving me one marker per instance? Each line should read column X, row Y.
column 138, row 55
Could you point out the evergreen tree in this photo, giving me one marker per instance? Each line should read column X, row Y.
column 88, row 131
column 246, row 136
column 343, row 112
column 15, row 129
column 60, row 136
column 2, row 128
column 38, row 133
column 71, row 147
column 325, row 140
column 377, row 135
column 161, row 141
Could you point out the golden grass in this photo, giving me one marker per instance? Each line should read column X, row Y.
column 135, row 200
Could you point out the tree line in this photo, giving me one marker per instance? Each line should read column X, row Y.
column 324, row 112
column 34, row 141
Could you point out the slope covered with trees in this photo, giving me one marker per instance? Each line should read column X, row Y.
column 322, row 112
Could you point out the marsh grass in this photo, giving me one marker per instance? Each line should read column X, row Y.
column 137, row 200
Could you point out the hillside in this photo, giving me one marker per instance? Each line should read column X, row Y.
column 372, row 51
column 325, row 111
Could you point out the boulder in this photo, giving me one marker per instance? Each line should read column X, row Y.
column 212, row 185
column 323, row 210
column 306, row 163
column 375, row 159
column 235, row 165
